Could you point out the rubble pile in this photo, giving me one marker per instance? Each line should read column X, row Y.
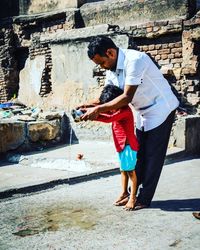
column 24, row 129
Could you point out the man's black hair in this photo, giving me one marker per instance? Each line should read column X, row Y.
column 109, row 93
column 99, row 45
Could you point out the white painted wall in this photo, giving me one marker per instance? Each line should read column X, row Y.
column 30, row 81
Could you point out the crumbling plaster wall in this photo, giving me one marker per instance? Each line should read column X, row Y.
column 38, row 6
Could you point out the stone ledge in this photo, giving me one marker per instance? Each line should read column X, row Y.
column 133, row 12
column 186, row 133
column 75, row 34
column 27, row 136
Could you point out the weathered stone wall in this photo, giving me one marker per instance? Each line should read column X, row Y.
column 134, row 12
column 49, row 51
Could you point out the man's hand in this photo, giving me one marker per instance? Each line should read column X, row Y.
column 90, row 113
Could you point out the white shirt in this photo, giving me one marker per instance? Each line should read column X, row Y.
column 153, row 99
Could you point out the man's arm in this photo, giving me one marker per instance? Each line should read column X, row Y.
column 119, row 102
column 90, row 104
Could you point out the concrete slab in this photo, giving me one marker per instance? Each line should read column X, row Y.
column 48, row 168
column 82, row 216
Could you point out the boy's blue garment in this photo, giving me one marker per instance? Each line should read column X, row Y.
column 127, row 159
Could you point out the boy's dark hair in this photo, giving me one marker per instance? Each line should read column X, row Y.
column 99, row 45
column 109, row 93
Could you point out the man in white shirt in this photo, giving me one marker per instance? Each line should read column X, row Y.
column 151, row 95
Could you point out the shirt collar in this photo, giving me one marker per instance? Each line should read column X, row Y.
column 120, row 60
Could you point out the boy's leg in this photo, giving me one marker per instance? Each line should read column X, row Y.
column 155, row 151
column 122, row 199
column 132, row 199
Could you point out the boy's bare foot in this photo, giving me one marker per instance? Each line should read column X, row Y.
column 130, row 204
column 121, row 200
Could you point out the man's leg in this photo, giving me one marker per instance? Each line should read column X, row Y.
column 156, row 142
column 140, row 166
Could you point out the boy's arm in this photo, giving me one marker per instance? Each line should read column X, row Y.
column 118, row 102
column 118, row 115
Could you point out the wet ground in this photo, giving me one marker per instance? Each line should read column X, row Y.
column 81, row 216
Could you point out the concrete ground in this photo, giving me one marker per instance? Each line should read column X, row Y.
column 56, row 165
column 81, row 215
column 51, row 200
column 48, row 168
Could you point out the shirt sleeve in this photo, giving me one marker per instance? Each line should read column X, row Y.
column 119, row 115
column 134, row 71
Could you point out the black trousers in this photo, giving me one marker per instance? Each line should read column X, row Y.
column 151, row 156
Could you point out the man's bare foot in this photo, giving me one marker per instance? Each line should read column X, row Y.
column 130, row 204
column 196, row 215
column 122, row 199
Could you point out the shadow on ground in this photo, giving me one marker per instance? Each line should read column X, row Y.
column 178, row 205
column 180, row 156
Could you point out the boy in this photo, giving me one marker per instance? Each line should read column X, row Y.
column 125, row 142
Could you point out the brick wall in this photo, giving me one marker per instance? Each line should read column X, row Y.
column 9, row 74
column 173, row 44
column 175, row 48
column 43, row 49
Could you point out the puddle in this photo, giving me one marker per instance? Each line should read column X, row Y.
column 62, row 164
column 54, row 219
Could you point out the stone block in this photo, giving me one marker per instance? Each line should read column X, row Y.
column 171, row 56
column 174, row 50
column 164, row 62
column 171, row 45
column 177, row 65
column 12, row 135
column 177, row 60
column 149, row 29
column 164, row 56
column 151, row 47
column 158, row 46
column 164, row 51
column 133, row 12
column 43, row 131
column 178, row 55
column 37, row 6
column 186, row 134
column 192, row 143
column 157, row 57
column 153, row 52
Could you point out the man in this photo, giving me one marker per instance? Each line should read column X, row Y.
column 149, row 92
